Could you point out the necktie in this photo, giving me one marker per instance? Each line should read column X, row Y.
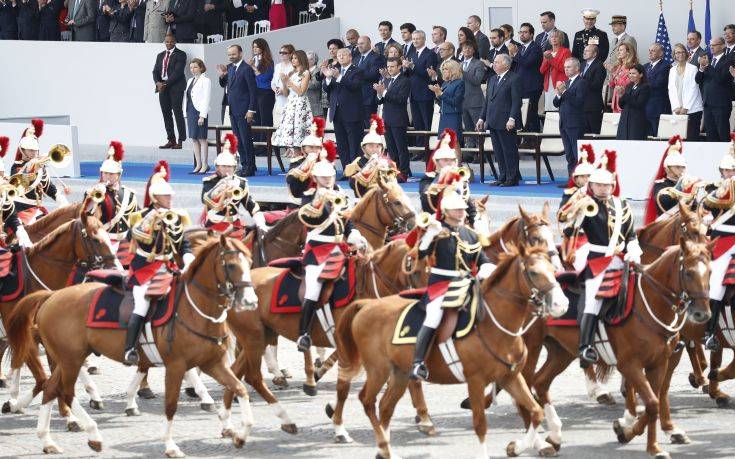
column 465, row 64
column 405, row 50
column 523, row 50
column 362, row 58
column 586, row 66
column 76, row 8
column 545, row 39
column 390, row 82
column 165, row 64
column 616, row 40
column 728, row 51
column 714, row 62
column 342, row 71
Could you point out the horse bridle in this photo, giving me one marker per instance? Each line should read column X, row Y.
column 227, row 289
column 397, row 220
column 537, row 297
column 552, row 251
column 94, row 259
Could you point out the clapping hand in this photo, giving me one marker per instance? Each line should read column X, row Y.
column 608, row 66
column 283, row 77
column 432, row 73
column 435, row 89
column 512, row 49
column 222, row 69
column 384, row 73
column 732, row 71
column 560, row 87
column 408, row 64
column 379, row 87
column 703, row 61
column 548, row 55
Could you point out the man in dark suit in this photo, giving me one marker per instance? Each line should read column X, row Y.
column 370, row 63
column 590, row 35
column 81, row 19
column 716, row 82
column 48, row 19
column 8, row 20
column 168, row 74
column 351, row 37
column 211, row 17
column 527, row 61
column 657, row 74
column 594, row 74
column 239, row 79
column 343, row 85
column 407, row 31
column 28, row 19
column 438, row 36
column 474, row 23
column 570, row 98
column 385, row 30
column 548, row 23
column 393, row 94
column 416, row 67
column 497, row 46
column 137, row 24
column 182, row 16
column 501, row 114
column 694, row 47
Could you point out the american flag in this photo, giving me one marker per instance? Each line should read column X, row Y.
column 662, row 37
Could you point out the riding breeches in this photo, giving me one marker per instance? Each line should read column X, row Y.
column 141, row 303
column 718, row 268
column 434, row 312
column 580, row 257
column 592, row 305
column 312, row 283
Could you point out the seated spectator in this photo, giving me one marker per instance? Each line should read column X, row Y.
column 626, row 59
column 684, row 94
column 552, row 68
column 633, row 122
column 120, row 17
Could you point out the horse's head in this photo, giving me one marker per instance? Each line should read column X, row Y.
column 395, row 206
column 535, row 231
column 694, row 274
column 691, row 224
column 91, row 243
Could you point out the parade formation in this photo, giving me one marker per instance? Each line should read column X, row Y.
column 408, row 295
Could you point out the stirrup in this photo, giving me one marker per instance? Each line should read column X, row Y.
column 419, row 372
column 680, row 345
column 130, row 358
column 588, row 355
column 303, row 343
column 711, row 343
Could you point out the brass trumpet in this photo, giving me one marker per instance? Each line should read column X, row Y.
column 9, row 190
column 463, row 172
column 19, row 180
column 97, row 195
column 168, row 217
column 237, row 194
column 590, row 208
column 423, row 220
column 59, row 155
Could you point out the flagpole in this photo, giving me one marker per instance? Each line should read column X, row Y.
column 661, row 5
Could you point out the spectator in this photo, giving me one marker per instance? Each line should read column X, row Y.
column 137, row 23
column 407, row 31
column 251, row 11
column 168, row 74
column 552, row 68
column 438, row 36
column 594, row 73
column 8, row 19
column 351, row 37
column 473, row 74
column 508, row 33
column 450, row 97
column 28, row 19
column 333, row 45
column 81, row 19
column 181, row 18
column 716, row 81
column 627, row 58
column 198, row 95
column 296, row 119
column 464, row 36
column 500, row 111
column 497, row 46
column 102, row 23
column 262, row 64
column 48, row 19
column 657, row 76
column 239, row 80
column 370, row 63
column 155, row 25
column 590, row 35
column 416, row 66
column 385, row 30
column 527, row 61
column 633, row 121
column 548, row 25
column 277, row 14
column 393, row 93
column 618, row 24
column 314, row 93
column 729, row 37
column 394, row 50
column 283, row 67
column 694, row 47
column 570, row 98
column 684, row 95
column 120, row 16
column 474, row 23
column 212, row 18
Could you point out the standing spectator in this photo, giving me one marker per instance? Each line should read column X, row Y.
column 282, row 67
column 343, row 85
column 351, row 37
column 314, row 92
column 446, row 53
column 508, row 32
column 333, row 45
column 450, row 97
column 296, row 119
column 168, row 74
column 633, row 120
column 473, row 74
column 198, row 95
column 438, row 36
column 48, row 19
column 385, row 30
column 590, row 35
column 370, row 63
column 497, row 46
column 548, row 25
column 716, row 81
column 729, row 37
column 181, row 17
column 28, row 19
column 81, row 19
column 416, row 66
column 657, row 76
column 239, row 80
column 262, row 64
column 570, row 98
column 102, row 23
column 527, row 59
column 211, row 18
column 251, row 12
column 120, row 16
column 393, row 92
column 277, row 14
column 394, row 50
column 137, row 23
column 155, row 26
column 594, row 73
column 552, row 68
column 627, row 58
column 464, row 36
column 618, row 24
column 407, row 31
column 474, row 23
column 500, row 111
column 694, row 47
column 8, row 19
column 684, row 95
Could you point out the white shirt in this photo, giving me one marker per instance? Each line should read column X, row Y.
column 277, row 83
column 418, row 51
column 653, row 64
column 620, row 37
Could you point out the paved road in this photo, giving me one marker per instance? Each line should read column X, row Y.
column 587, row 426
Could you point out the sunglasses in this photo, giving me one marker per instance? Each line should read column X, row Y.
column 283, row 52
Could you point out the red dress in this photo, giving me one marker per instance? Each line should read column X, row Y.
column 277, row 15
column 618, row 79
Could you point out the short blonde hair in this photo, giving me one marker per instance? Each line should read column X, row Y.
column 454, row 69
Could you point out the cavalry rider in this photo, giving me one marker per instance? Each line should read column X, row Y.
column 365, row 170
column 574, row 239
column 721, row 203
column 322, row 213
column 299, row 177
column 116, row 201
column 455, row 251
column 443, row 163
column 158, row 243
column 224, row 192
column 10, row 224
column 665, row 195
column 607, row 221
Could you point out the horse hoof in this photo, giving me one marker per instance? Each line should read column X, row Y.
column 3, row 383
column 662, row 455
column 228, row 433
column 722, row 401
column 6, row 408
column 318, row 363
column 693, row 380
column 555, row 445
column 680, row 439
column 465, row 404
column 329, row 410
column 52, row 449
column 342, row 439
column 96, row 405
column 175, row 453
column 93, row 370
column 209, row 407
column 132, row 412
column 309, row 390
column 146, row 393
column 510, row 450
column 191, row 393
column 73, row 426
column 290, row 428
column 317, row 376
column 95, row 446
column 280, row 382
column 606, row 399
column 238, row 442
column 547, row 451
column 286, row 374
column 428, row 430
column 620, row 432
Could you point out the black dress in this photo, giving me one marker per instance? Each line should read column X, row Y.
column 633, row 122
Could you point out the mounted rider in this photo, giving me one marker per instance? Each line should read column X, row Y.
column 224, row 192
column 372, row 164
column 575, row 245
column 323, row 214
column 721, row 203
column 159, row 246
column 456, row 256
column 115, row 201
column 665, row 191
column 607, row 220
column 298, row 178
column 10, row 224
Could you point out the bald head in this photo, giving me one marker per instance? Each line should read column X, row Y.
column 363, row 44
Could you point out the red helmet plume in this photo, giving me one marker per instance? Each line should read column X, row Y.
column 230, row 137
column 331, row 149
column 320, row 124
column 118, row 150
column 37, row 126
column 379, row 125
column 4, row 142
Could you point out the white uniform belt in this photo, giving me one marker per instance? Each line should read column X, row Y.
column 603, row 248
column 726, row 228
column 448, row 272
column 118, row 236
column 165, row 257
column 323, row 238
column 30, row 202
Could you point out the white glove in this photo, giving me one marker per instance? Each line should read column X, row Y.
column 188, row 258
column 357, row 239
column 486, row 269
column 633, row 252
column 432, row 230
column 481, row 225
column 61, row 199
column 259, row 219
column 23, row 239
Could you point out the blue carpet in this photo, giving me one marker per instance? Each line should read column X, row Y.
column 139, row 172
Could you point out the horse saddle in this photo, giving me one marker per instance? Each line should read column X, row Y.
column 159, row 286
column 288, row 289
column 456, row 322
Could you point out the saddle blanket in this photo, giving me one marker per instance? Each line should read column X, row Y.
column 412, row 318
column 12, row 279
column 288, row 296
column 111, row 308
column 124, row 254
column 610, row 313
column 727, row 324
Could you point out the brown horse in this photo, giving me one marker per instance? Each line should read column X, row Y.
column 656, row 237
column 523, row 284
column 57, row 217
column 642, row 344
column 384, row 207
column 216, row 281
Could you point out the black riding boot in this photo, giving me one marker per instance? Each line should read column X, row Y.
column 587, row 329
column 308, row 309
column 423, row 341
column 131, row 339
column 710, row 339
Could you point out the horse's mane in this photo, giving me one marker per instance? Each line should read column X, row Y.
column 361, row 205
column 506, row 260
column 657, row 226
column 385, row 251
column 71, row 211
column 278, row 228
column 497, row 235
column 201, row 253
column 49, row 239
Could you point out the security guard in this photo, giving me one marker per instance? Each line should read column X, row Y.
column 590, row 35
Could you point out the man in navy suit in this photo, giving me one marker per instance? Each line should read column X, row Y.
column 716, row 82
column 497, row 46
column 239, row 79
column 527, row 61
column 385, row 30
column 393, row 93
column 570, row 97
column 594, row 74
column 416, row 68
column 407, row 31
column 181, row 16
column 501, row 114
column 343, row 85
column 657, row 73
column 548, row 24
column 370, row 63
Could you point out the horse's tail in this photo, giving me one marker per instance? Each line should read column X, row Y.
column 20, row 323
column 347, row 352
column 603, row 371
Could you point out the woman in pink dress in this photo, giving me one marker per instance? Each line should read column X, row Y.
column 626, row 58
column 277, row 15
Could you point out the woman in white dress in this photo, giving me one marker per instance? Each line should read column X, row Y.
column 296, row 117
column 283, row 66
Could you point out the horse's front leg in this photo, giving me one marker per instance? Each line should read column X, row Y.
column 223, row 375
column 517, row 388
column 174, row 377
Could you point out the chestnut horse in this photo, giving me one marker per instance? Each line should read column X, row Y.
column 217, row 280
column 522, row 285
